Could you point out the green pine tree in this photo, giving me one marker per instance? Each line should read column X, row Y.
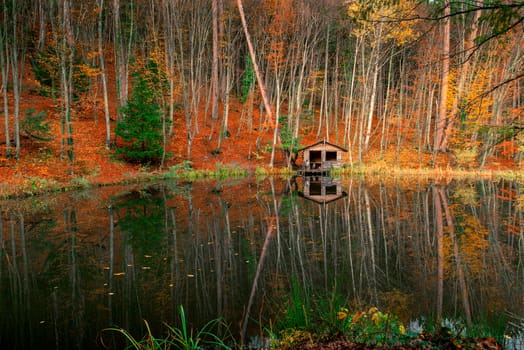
column 141, row 127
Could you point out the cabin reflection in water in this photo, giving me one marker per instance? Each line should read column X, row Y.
column 322, row 189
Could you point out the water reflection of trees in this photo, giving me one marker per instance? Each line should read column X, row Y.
column 436, row 248
column 78, row 266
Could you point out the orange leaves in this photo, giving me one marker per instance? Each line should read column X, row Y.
column 88, row 70
column 282, row 22
column 342, row 314
column 520, row 201
column 513, row 229
column 509, row 148
column 276, row 56
column 283, row 16
column 507, row 195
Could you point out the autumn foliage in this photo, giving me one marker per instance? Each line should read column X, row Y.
column 367, row 75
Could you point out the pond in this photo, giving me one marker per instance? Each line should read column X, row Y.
column 244, row 250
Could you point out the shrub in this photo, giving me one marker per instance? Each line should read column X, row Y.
column 248, row 80
column 35, row 126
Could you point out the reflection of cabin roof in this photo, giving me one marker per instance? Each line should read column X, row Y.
column 323, row 199
column 323, row 142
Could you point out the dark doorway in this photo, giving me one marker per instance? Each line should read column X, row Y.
column 331, row 156
column 315, row 189
column 331, row 189
column 315, row 156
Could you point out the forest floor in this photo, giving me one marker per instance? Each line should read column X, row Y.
column 44, row 165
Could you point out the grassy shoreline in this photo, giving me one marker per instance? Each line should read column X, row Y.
column 34, row 186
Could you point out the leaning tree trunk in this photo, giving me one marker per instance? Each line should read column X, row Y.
column 261, row 84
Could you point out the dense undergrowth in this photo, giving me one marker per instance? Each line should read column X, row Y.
column 369, row 329
column 322, row 322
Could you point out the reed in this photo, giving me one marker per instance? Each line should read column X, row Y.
column 179, row 338
column 185, row 171
column 148, row 342
column 447, row 173
column 184, row 338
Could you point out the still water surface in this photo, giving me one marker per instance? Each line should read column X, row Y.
column 73, row 264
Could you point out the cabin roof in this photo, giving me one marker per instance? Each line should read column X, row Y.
column 325, row 143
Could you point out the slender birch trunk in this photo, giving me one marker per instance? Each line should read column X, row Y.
column 4, row 70
column 103, row 73
column 214, row 79
column 441, row 139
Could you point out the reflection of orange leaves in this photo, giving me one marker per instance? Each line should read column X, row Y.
column 508, row 195
column 513, row 229
column 504, row 198
column 520, row 202
column 472, row 243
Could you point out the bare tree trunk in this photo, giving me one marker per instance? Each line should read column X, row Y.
column 336, row 90
column 118, row 53
column 214, row 80
column 121, row 65
column 66, row 77
column 16, row 92
column 4, row 67
column 169, row 32
column 103, row 73
column 349, row 114
column 17, row 58
column 42, row 30
column 385, row 130
column 373, row 97
column 299, row 93
column 458, row 260
column 441, row 139
column 275, row 129
column 370, row 232
column 323, row 98
column 272, row 224
column 363, row 92
column 227, row 88
column 261, row 84
column 439, row 226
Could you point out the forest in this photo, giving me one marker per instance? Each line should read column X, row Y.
column 422, row 99
column 99, row 90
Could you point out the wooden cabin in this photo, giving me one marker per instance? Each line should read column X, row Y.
column 322, row 189
column 321, row 157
